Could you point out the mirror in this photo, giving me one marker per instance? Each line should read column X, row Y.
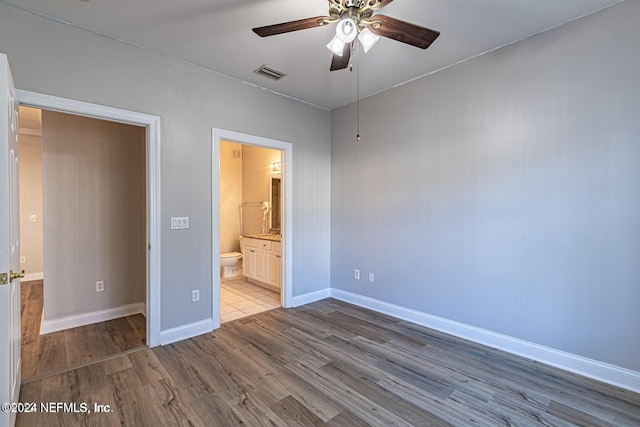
column 275, row 190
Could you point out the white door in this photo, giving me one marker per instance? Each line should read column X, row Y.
column 9, row 247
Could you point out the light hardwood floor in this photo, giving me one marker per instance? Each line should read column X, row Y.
column 328, row 363
column 57, row 351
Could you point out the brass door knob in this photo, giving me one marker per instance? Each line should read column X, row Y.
column 13, row 276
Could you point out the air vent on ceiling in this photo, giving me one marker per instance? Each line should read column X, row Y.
column 271, row 73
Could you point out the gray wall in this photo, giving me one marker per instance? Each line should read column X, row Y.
column 60, row 60
column 94, row 224
column 504, row 192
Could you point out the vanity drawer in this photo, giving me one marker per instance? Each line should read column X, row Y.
column 276, row 246
column 265, row 244
column 256, row 243
column 251, row 243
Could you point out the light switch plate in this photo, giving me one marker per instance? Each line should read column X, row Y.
column 179, row 223
column 33, row 218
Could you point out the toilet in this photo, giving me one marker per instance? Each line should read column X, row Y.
column 229, row 263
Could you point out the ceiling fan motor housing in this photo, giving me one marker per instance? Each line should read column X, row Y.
column 358, row 4
column 352, row 13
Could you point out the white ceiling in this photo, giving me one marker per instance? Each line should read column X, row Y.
column 216, row 34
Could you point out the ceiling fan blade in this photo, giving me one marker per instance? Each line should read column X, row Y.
column 342, row 62
column 403, row 31
column 287, row 27
column 377, row 4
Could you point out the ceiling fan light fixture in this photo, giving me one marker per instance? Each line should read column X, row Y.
column 347, row 30
column 367, row 39
column 336, row 46
column 356, row 18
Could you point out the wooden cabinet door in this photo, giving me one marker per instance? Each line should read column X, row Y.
column 273, row 268
column 260, row 265
column 248, row 262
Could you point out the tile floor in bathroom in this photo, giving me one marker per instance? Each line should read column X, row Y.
column 239, row 298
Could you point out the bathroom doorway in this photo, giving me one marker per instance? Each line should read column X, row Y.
column 252, row 250
column 250, row 240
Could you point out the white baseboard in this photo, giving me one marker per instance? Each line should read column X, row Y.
column 32, row 276
column 186, row 331
column 600, row 371
column 73, row 321
column 310, row 297
column 205, row 326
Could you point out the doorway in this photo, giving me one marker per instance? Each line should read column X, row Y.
column 277, row 238
column 151, row 156
column 90, row 174
column 250, row 235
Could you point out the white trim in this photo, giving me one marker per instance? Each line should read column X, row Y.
column 594, row 369
column 287, row 217
column 299, row 300
column 73, row 321
column 32, row 276
column 152, row 124
column 154, row 231
column 184, row 332
column 215, row 229
column 81, row 108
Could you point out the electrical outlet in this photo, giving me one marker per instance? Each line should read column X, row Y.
column 100, row 286
column 33, row 218
column 372, row 278
column 23, row 259
column 195, row 295
column 356, row 274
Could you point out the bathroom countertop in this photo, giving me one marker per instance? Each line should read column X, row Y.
column 272, row 237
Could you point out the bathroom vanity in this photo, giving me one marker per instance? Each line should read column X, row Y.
column 262, row 260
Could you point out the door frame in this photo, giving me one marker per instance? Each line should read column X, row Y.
column 152, row 148
column 287, row 213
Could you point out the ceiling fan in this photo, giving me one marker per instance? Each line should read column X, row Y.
column 356, row 18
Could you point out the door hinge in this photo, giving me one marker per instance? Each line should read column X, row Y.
column 4, row 279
